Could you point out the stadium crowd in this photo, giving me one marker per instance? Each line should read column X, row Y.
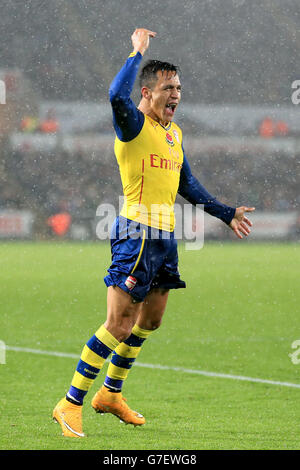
column 77, row 182
column 268, row 181
column 48, row 182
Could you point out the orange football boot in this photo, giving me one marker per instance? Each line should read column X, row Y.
column 69, row 416
column 107, row 402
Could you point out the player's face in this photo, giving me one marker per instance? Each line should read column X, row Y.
column 165, row 96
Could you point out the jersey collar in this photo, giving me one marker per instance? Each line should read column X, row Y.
column 165, row 128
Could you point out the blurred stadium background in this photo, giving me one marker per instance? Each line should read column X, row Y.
column 241, row 131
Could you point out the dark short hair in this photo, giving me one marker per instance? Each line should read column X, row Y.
column 148, row 73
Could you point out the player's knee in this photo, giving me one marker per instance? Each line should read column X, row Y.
column 153, row 324
column 124, row 333
column 121, row 330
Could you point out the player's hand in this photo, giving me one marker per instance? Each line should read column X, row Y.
column 240, row 224
column 141, row 38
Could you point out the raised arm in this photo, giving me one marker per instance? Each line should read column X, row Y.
column 127, row 119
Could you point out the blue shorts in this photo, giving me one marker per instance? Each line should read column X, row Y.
column 143, row 258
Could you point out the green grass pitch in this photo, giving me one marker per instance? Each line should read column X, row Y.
column 239, row 315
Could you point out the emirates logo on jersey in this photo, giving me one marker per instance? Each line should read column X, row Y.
column 169, row 139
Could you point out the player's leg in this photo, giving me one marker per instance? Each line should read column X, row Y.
column 121, row 316
column 150, row 316
column 69, row 410
column 122, row 313
column 109, row 398
column 159, row 260
column 124, row 356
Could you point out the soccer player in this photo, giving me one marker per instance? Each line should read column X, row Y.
column 153, row 168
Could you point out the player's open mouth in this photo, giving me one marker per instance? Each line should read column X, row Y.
column 171, row 107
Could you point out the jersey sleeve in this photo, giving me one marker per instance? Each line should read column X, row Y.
column 127, row 119
column 193, row 191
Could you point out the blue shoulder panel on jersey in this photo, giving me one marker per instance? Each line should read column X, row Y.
column 127, row 119
column 193, row 191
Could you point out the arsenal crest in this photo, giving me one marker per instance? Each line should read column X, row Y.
column 169, row 139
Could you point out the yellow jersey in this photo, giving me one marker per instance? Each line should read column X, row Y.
column 150, row 166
